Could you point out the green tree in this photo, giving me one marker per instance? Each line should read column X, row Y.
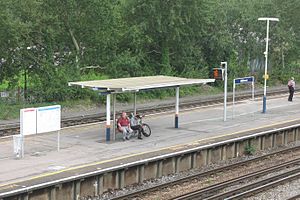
column 171, row 31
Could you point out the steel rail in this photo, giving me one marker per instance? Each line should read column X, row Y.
column 254, row 188
column 294, row 197
column 208, row 192
column 204, row 174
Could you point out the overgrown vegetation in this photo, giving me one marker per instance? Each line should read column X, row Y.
column 47, row 43
column 250, row 150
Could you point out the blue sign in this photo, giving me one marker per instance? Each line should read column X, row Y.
column 48, row 108
column 244, row 80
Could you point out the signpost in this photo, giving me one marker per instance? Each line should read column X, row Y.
column 27, row 127
column 48, row 120
column 35, row 121
column 225, row 89
column 220, row 73
column 28, row 121
column 238, row 81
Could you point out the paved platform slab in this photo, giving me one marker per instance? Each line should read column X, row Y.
column 84, row 146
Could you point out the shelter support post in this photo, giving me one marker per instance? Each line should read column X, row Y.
column 253, row 88
column 114, row 115
column 177, row 108
column 134, row 104
column 233, row 98
column 108, row 117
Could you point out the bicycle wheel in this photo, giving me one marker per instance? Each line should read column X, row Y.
column 146, row 130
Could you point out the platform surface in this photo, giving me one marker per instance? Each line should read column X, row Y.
column 84, row 147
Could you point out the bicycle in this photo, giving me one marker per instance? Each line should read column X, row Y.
column 146, row 128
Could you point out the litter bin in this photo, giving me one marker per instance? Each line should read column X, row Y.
column 18, row 146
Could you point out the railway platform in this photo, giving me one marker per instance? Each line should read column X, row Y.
column 83, row 149
column 142, row 104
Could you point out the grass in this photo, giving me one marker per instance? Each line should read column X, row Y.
column 12, row 110
column 162, row 94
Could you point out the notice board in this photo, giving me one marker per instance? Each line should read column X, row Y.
column 28, row 121
column 48, row 119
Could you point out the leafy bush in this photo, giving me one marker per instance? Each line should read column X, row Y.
column 250, row 150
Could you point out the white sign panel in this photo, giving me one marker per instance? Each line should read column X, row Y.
column 48, row 118
column 4, row 94
column 28, row 121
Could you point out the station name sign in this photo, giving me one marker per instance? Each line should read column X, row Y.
column 244, row 80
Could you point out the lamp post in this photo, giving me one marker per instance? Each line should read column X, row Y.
column 268, row 19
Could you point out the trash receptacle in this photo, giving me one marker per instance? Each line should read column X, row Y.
column 18, row 146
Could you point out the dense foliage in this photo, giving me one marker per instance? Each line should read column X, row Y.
column 46, row 43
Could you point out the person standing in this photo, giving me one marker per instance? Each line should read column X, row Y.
column 291, row 86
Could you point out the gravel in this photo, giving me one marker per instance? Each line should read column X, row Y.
column 280, row 192
column 203, row 182
column 257, row 179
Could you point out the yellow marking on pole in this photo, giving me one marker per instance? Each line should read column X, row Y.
column 266, row 76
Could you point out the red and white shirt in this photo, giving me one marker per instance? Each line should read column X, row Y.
column 123, row 121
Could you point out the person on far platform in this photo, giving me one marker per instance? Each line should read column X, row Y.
column 291, row 86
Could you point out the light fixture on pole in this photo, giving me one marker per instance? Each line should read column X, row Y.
column 268, row 19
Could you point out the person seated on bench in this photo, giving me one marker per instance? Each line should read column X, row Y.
column 124, row 126
column 134, row 124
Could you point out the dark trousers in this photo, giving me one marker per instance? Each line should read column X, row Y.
column 292, row 90
column 139, row 129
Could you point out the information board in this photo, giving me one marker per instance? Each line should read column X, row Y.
column 48, row 118
column 28, row 121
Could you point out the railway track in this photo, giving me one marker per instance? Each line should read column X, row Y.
column 211, row 192
column 14, row 128
column 294, row 197
column 263, row 185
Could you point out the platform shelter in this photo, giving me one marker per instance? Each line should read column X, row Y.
column 112, row 87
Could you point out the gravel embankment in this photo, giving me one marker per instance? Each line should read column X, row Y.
column 280, row 192
column 203, row 182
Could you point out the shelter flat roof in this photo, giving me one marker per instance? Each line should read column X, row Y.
column 138, row 83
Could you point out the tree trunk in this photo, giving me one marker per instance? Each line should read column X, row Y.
column 165, row 58
column 76, row 47
column 25, row 85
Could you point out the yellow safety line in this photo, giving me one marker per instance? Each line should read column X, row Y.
column 145, row 152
